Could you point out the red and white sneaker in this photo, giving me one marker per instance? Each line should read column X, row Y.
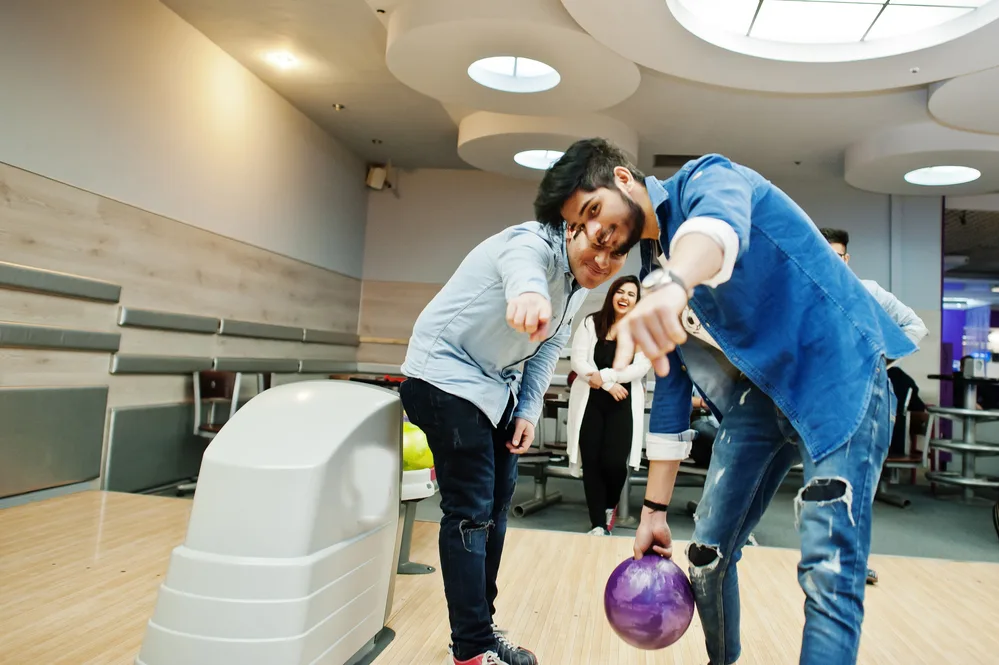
column 487, row 658
column 611, row 518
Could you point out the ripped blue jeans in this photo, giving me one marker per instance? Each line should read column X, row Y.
column 755, row 448
column 476, row 475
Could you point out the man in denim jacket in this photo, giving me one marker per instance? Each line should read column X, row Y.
column 790, row 351
column 480, row 360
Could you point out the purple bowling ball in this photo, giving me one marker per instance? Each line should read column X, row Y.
column 649, row 603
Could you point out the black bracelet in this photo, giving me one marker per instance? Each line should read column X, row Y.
column 657, row 507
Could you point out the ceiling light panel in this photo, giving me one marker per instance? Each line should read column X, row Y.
column 811, row 22
column 941, row 3
column 898, row 20
column 728, row 15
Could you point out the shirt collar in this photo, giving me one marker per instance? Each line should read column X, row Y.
column 657, row 193
column 562, row 240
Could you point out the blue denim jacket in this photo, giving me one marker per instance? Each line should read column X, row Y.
column 793, row 317
column 461, row 342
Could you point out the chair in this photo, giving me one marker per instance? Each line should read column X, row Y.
column 211, row 388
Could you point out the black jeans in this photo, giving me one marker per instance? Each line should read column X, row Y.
column 604, row 446
column 476, row 475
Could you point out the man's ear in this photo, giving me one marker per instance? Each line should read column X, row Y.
column 846, row 257
column 624, row 178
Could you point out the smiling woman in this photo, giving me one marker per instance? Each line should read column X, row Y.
column 605, row 427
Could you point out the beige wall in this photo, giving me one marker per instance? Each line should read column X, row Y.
column 125, row 99
column 134, row 150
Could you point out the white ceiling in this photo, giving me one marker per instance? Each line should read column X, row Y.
column 343, row 47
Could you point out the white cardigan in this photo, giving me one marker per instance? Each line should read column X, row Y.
column 583, row 344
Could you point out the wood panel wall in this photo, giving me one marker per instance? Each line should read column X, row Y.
column 389, row 310
column 161, row 264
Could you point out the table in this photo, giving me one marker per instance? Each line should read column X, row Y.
column 968, row 446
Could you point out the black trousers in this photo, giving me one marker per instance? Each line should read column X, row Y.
column 604, row 446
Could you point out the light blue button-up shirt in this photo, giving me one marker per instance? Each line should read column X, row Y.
column 461, row 342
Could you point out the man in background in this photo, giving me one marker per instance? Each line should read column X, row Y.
column 911, row 325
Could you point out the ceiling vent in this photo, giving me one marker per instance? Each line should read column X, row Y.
column 672, row 161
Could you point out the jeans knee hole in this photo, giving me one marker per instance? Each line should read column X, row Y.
column 701, row 556
column 825, row 489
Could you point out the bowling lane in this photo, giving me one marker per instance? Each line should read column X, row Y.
column 551, row 601
column 80, row 575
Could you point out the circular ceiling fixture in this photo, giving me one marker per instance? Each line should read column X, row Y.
column 510, row 73
column 939, row 176
column 924, row 159
column 774, row 45
column 968, row 102
column 822, row 21
column 515, row 56
column 526, row 146
column 538, row 159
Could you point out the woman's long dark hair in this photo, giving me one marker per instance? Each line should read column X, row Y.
column 604, row 319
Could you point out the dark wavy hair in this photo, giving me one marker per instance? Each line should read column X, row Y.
column 604, row 319
column 588, row 165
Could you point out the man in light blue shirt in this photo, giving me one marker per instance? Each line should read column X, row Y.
column 745, row 299
column 479, row 362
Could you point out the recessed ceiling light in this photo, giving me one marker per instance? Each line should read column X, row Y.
column 995, row 289
column 936, row 176
column 338, row 107
column 514, row 74
column 282, row 59
column 538, row 159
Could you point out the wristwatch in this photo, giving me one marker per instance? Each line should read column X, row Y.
column 659, row 278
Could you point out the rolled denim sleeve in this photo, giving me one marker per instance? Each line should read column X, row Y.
column 538, row 372
column 716, row 190
column 524, row 263
column 670, row 435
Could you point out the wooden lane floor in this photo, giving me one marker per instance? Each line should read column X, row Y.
column 79, row 576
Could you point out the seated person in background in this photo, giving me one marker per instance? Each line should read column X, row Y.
column 706, row 425
column 606, row 422
column 901, row 383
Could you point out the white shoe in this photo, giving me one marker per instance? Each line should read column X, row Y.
column 596, row 531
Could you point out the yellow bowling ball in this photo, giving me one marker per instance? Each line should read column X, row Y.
column 415, row 450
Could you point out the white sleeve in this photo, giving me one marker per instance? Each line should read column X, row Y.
column 667, row 447
column 721, row 233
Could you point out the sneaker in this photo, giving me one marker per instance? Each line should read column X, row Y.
column 487, row 658
column 872, row 576
column 597, row 531
column 611, row 518
column 512, row 654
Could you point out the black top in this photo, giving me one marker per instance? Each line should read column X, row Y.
column 603, row 357
column 603, row 353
